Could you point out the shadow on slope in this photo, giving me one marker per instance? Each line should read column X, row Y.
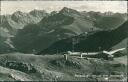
column 102, row 40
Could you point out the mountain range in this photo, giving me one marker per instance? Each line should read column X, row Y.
column 38, row 30
column 10, row 24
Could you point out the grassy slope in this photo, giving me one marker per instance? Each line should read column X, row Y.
column 122, row 44
column 122, row 60
column 54, row 67
column 10, row 74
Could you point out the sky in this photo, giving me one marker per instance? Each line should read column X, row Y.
column 9, row 7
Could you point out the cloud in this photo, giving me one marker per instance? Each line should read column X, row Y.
column 8, row 7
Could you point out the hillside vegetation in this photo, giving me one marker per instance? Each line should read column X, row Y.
column 56, row 68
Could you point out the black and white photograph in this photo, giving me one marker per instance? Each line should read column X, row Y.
column 63, row 40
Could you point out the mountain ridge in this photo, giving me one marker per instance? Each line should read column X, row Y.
column 102, row 39
column 51, row 27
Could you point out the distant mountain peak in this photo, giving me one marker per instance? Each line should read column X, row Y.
column 66, row 10
column 39, row 13
column 17, row 13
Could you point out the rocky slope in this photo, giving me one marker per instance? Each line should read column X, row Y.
column 19, row 19
column 10, row 24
